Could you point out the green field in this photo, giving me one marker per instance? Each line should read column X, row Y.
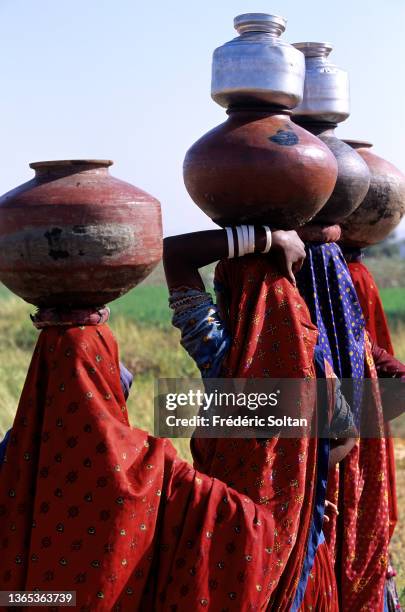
column 394, row 304
column 147, row 305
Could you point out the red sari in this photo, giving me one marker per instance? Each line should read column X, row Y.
column 272, row 337
column 91, row 505
column 377, row 327
column 370, row 301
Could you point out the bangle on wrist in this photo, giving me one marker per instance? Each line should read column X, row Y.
column 246, row 239
column 239, row 233
column 231, row 243
column 252, row 238
column 268, row 239
column 245, row 234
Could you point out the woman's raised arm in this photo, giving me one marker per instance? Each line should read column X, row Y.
column 185, row 254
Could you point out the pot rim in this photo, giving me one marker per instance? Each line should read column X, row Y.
column 361, row 144
column 102, row 163
column 314, row 49
column 260, row 22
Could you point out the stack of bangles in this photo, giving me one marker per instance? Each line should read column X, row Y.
column 246, row 240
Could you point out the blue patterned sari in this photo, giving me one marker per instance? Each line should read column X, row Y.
column 328, row 289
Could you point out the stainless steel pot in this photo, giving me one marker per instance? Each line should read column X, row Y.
column 326, row 90
column 256, row 67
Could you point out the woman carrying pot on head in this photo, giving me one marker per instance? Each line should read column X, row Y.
column 359, row 547
column 261, row 328
column 92, row 506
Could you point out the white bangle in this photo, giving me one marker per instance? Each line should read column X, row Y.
column 268, row 239
column 231, row 243
column 241, row 250
column 245, row 233
column 252, row 241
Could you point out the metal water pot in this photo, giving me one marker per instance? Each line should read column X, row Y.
column 256, row 67
column 326, row 89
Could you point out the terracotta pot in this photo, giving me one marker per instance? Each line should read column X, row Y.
column 353, row 179
column 74, row 235
column 384, row 205
column 260, row 167
column 320, row 233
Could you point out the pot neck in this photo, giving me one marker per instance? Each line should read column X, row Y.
column 259, row 23
column 60, row 168
column 258, row 110
column 326, row 128
column 314, row 50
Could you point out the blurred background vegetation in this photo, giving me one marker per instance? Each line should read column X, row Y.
column 150, row 348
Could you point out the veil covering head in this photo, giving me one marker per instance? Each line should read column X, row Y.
column 272, row 337
column 91, row 505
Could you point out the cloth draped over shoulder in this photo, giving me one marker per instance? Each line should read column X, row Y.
column 371, row 304
column 360, row 535
column 377, row 327
column 270, row 336
column 327, row 288
column 89, row 504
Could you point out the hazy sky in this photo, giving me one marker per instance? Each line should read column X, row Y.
column 130, row 81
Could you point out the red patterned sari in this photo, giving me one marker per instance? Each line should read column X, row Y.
column 91, row 505
column 359, row 538
column 377, row 327
column 272, row 337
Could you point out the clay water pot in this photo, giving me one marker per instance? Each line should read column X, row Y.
column 76, row 236
column 259, row 167
column 353, row 178
column 384, row 205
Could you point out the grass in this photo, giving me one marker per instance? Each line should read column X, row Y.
column 147, row 305
column 394, row 304
column 397, row 546
column 394, row 300
column 387, row 271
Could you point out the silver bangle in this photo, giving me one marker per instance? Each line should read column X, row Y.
column 239, row 233
column 252, row 241
column 245, row 233
column 231, row 243
column 268, row 239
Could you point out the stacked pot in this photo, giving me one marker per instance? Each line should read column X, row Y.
column 325, row 104
column 259, row 166
column 369, row 196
